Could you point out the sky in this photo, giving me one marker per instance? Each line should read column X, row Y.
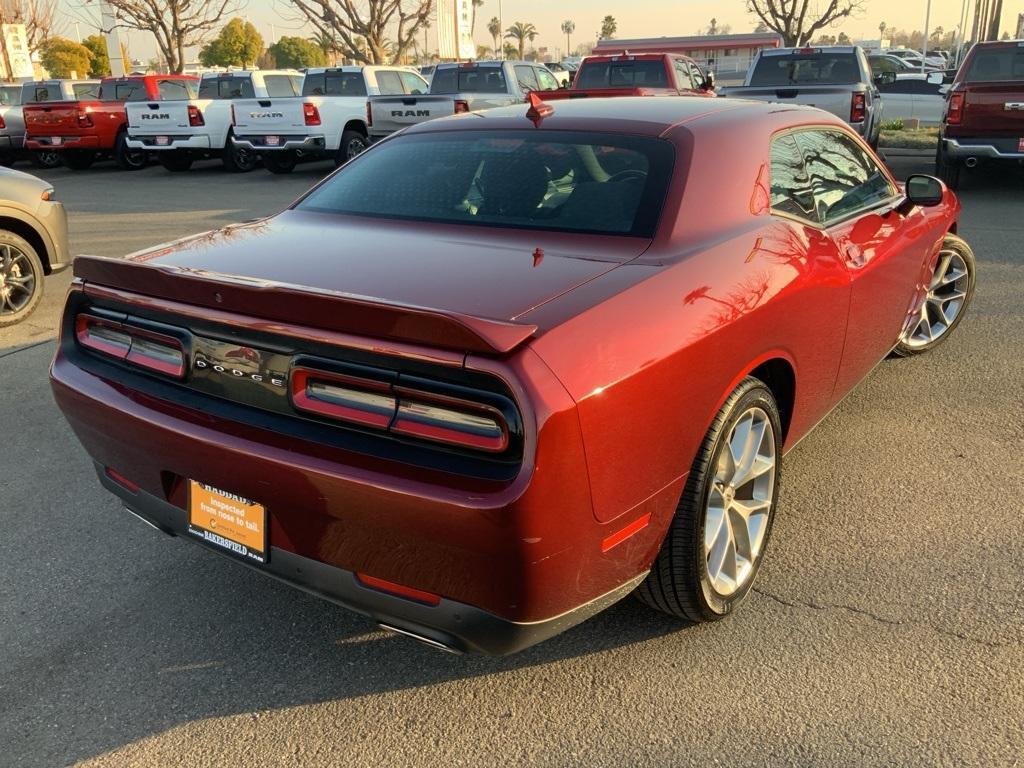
column 636, row 18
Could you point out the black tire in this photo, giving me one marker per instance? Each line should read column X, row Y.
column 280, row 162
column 353, row 143
column 678, row 583
column 238, row 160
column 7, row 159
column 129, row 159
column 175, row 160
column 14, row 305
column 947, row 168
column 79, row 159
column 44, row 159
column 951, row 242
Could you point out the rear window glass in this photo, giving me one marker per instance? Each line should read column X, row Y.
column 10, row 96
column 623, row 74
column 226, row 88
column 806, row 69
column 996, row 65
column 39, row 93
column 572, row 182
column 469, row 80
column 334, row 84
column 178, row 90
column 130, row 91
column 282, row 86
column 85, row 90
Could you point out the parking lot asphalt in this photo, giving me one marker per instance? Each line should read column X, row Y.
column 887, row 625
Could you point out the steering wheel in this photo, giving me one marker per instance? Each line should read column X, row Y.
column 628, row 174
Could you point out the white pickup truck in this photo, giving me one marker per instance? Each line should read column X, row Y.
column 181, row 132
column 328, row 120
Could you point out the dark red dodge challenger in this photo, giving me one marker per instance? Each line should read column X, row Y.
column 506, row 368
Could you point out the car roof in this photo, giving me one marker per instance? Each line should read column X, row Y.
column 643, row 115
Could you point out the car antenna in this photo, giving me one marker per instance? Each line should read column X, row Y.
column 539, row 109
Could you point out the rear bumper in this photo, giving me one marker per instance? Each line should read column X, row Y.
column 199, row 142
column 58, row 143
column 988, row 149
column 449, row 625
column 287, row 143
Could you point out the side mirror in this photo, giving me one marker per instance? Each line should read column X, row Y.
column 926, row 191
column 709, row 81
column 885, row 78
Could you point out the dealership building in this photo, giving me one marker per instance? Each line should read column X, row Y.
column 728, row 56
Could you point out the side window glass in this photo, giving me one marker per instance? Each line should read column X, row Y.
column 845, row 179
column 413, row 85
column 547, row 80
column 683, row 79
column 527, row 78
column 791, row 192
column 390, row 84
column 697, row 77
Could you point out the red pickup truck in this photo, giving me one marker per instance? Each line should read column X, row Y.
column 984, row 119
column 644, row 74
column 82, row 131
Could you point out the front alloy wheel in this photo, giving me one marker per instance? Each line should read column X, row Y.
column 949, row 292
column 21, row 279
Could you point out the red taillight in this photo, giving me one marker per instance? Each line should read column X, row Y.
column 121, row 480
column 2, row 124
column 154, row 351
column 399, row 410
column 84, row 118
column 858, row 108
column 195, row 117
column 399, row 590
column 461, row 106
column 955, row 113
column 311, row 114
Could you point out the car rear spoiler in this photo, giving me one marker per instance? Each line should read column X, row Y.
column 299, row 305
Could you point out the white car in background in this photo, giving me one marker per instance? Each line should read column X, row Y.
column 915, row 96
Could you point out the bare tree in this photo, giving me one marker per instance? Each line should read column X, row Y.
column 371, row 20
column 798, row 20
column 176, row 24
column 38, row 16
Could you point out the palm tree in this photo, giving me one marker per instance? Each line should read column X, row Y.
column 508, row 50
column 328, row 43
column 521, row 32
column 568, row 27
column 483, row 52
column 494, row 27
column 609, row 27
column 472, row 21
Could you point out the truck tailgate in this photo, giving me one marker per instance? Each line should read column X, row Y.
column 994, row 109
column 831, row 98
column 159, row 118
column 57, row 118
column 269, row 116
column 393, row 113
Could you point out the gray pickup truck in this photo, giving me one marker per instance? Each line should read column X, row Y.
column 837, row 79
column 457, row 88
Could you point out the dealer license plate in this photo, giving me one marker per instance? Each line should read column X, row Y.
column 228, row 521
column 163, row 141
column 1020, row 145
column 272, row 141
column 56, row 140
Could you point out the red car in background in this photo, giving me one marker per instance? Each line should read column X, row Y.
column 82, row 131
column 984, row 118
column 517, row 364
column 643, row 74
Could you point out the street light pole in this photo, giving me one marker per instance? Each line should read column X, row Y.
column 927, row 21
column 501, row 27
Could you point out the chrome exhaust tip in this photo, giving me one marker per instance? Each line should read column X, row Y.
column 435, row 644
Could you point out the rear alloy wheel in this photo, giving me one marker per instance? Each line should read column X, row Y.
column 353, row 144
column 44, row 159
column 949, row 292
column 175, row 160
column 717, row 538
column 129, row 159
column 280, row 162
column 238, row 159
column 79, row 159
column 21, row 278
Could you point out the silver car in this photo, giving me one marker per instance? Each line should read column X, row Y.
column 33, row 242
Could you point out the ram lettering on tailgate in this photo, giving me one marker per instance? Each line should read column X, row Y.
column 410, row 113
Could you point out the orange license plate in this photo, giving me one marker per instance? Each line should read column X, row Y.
column 228, row 521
